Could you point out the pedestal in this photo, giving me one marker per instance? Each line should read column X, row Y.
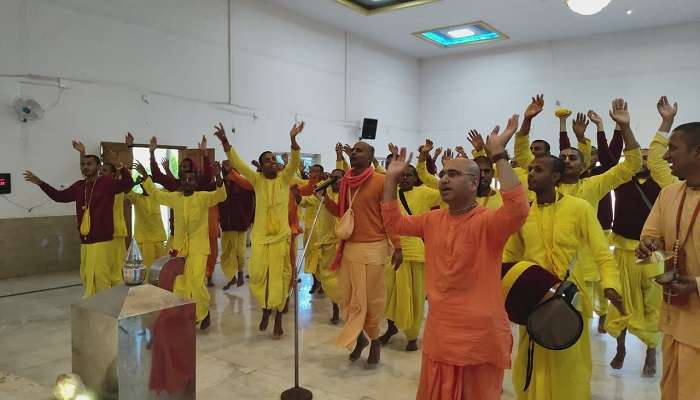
column 135, row 342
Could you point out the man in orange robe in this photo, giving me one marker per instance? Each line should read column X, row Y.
column 467, row 339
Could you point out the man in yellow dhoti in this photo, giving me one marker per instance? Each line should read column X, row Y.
column 322, row 246
column 269, row 268
column 672, row 226
column 405, row 284
column 191, row 236
column 149, row 232
column 556, row 228
column 592, row 189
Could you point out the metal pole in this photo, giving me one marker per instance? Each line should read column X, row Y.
column 297, row 392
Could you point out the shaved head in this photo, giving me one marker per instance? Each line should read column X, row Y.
column 459, row 183
column 463, row 165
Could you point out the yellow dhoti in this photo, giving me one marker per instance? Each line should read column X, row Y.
column 118, row 246
column 556, row 374
column 328, row 278
column 681, row 369
column 270, row 273
column 232, row 252
column 151, row 251
column 642, row 296
column 96, row 264
column 405, row 297
column 191, row 284
column 361, row 291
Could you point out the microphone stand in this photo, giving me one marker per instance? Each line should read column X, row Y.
column 297, row 392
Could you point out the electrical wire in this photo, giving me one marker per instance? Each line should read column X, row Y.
column 29, row 210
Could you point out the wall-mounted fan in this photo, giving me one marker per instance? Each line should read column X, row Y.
column 28, row 109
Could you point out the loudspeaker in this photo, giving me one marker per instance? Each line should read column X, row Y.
column 369, row 128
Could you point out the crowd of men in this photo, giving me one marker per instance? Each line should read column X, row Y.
column 477, row 239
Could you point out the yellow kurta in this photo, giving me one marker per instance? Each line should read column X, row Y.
column 148, row 227
column 269, row 268
column 551, row 237
column 190, row 239
column 405, row 287
column 119, row 239
column 322, row 247
column 658, row 167
column 429, row 179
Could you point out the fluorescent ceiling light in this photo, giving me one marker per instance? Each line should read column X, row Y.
column 587, row 7
column 456, row 35
column 460, row 33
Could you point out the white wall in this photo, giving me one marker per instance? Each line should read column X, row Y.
column 479, row 90
column 176, row 53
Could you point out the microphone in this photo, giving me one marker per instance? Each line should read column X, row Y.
column 323, row 185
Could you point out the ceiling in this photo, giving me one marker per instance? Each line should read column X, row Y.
column 524, row 21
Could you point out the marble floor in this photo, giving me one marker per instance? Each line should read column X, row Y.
column 234, row 360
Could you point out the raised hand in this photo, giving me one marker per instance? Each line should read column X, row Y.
column 152, row 144
column 476, row 140
column 579, row 125
column 202, row 146
column 347, row 149
column 30, row 177
column 140, row 169
column 447, row 156
column 256, row 164
column 619, row 112
column 595, row 118
column 338, row 149
column 666, row 111
column 297, row 128
column 220, row 133
column 393, row 149
column 398, row 164
column 461, row 152
column 78, row 146
column 495, row 142
column 166, row 164
column 437, row 153
column 535, row 107
column 129, row 139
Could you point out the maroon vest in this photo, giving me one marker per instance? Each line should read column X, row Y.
column 630, row 210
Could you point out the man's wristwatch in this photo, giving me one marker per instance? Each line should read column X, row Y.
column 500, row 156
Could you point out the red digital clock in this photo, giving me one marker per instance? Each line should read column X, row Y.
column 5, row 184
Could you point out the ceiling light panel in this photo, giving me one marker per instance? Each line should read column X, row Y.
column 463, row 34
column 371, row 7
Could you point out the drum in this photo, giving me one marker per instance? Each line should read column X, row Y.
column 525, row 285
column 164, row 271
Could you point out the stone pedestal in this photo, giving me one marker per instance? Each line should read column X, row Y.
column 135, row 342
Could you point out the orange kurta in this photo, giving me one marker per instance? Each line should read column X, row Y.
column 467, row 323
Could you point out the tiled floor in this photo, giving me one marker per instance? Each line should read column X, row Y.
column 235, row 361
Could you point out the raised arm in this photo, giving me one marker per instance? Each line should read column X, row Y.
column 616, row 144
column 233, row 157
column 658, row 167
column 605, row 156
column 80, row 148
column 61, row 196
column 125, row 183
column 170, row 183
column 395, row 223
column 295, row 160
column 206, row 177
column 523, row 155
column 579, row 125
column 427, row 178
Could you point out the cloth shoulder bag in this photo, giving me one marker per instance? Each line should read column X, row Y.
column 346, row 225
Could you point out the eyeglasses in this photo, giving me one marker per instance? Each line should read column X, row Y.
column 455, row 174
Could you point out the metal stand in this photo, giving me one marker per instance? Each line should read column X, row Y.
column 297, row 392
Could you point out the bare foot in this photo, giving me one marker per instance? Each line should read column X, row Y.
column 649, row 369
column 265, row 320
column 230, row 283
column 336, row 315
column 359, row 346
column 375, row 350
column 390, row 331
column 205, row 322
column 619, row 360
column 412, row 345
column 277, row 330
column 601, row 325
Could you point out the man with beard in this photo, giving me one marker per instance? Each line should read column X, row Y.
column 633, row 202
column 672, row 226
